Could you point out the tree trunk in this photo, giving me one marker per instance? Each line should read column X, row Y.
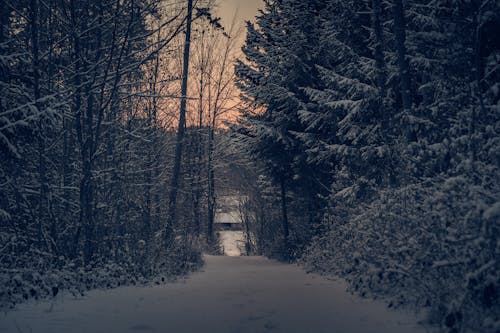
column 82, row 121
column 380, row 69
column 211, row 186
column 34, row 16
column 284, row 216
column 4, row 20
column 261, row 230
column 172, row 201
column 404, row 68
column 246, row 221
column 404, row 80
column 197, row 177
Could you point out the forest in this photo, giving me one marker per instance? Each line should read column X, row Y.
column 364, row 136
column 386, row 118
column 91, row 141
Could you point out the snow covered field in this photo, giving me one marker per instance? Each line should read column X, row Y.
column 231, row 294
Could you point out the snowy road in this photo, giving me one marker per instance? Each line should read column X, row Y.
column 231, row 294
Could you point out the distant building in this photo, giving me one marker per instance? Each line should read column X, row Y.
column 228, row 215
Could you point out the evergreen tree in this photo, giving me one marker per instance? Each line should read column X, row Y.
column 397, row 103
column 280, row 52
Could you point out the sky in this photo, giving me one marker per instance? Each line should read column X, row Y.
column 246, row 10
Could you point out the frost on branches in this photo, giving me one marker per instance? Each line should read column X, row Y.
column 392, row 107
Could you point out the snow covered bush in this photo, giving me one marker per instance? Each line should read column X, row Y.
column 431, row 245
column 46, row 280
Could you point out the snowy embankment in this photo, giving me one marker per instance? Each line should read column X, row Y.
column 24, row 284
column 232, row 294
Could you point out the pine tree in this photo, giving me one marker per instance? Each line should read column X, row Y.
column 280, row 52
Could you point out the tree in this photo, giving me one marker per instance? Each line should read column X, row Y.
column 280, row 52
column 82, row 141
column 390, row 123
column 172, row 203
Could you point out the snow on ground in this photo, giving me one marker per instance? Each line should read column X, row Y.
column 232, row 294
column 232, row 242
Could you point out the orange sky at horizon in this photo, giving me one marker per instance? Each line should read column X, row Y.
column 245, row 10
column 226, row 9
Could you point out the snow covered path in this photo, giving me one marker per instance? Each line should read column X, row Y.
column 231, row 294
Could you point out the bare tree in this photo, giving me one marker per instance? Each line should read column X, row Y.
column 172, row 201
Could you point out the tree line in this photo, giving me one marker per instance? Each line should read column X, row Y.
column 376, row 126
column 94, row 104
